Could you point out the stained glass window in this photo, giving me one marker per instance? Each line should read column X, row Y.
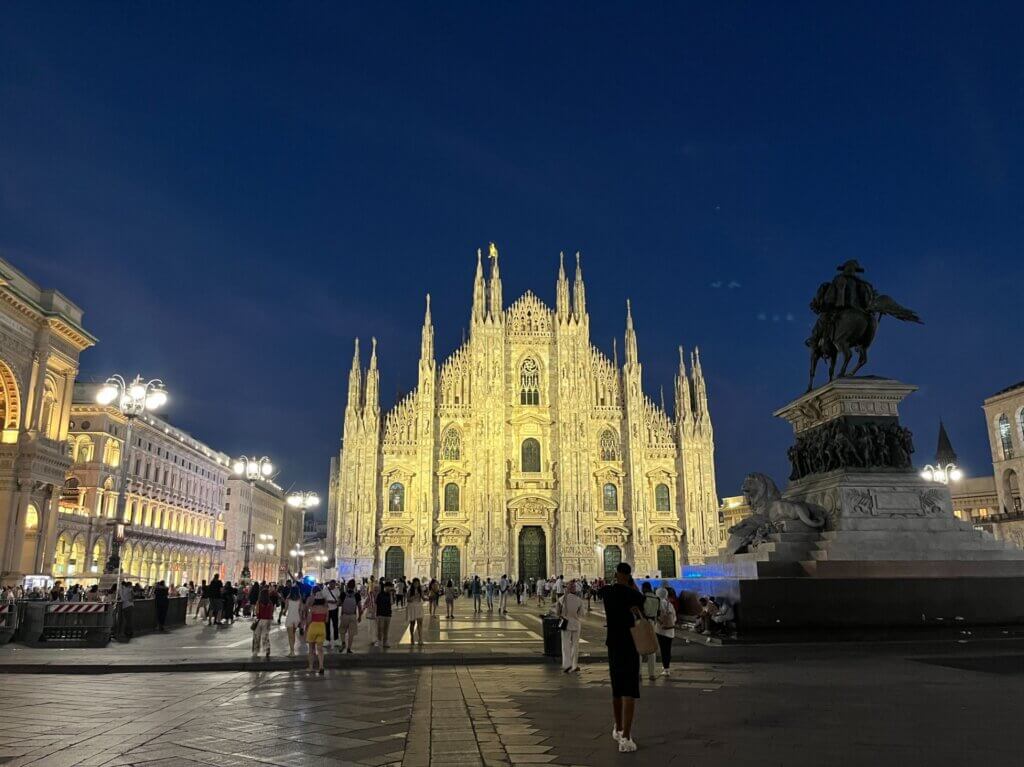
column 396, row 498
column 529, row 382
column 451, row 445
column 451, row 497
column 609, row 446
column 610, row 497
column 661, row 498
column 531, row 455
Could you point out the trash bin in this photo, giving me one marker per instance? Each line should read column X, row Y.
column 552, row 636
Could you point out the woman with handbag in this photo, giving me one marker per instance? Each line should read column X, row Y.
column 570, row 609
column 626, row 637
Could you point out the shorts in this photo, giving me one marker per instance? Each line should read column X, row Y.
column 317, row 632
column 624, row 670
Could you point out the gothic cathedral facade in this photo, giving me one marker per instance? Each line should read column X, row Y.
column 527, row 452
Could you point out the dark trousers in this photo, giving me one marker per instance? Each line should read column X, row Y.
column 161, row 614
column 127, row 630
column 665, row 643
column 332, row 625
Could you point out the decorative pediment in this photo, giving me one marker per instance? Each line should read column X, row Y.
column 663, row 474
column 612, row 527
column 393, row 532
column 663, row 528
column 451, row 472
column 529, row 501
column 528, row 315
column 529, row 416
column 450, row 529
column 398, row 473
column 608, row 472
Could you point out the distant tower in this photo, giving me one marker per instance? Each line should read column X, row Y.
column 944, row 452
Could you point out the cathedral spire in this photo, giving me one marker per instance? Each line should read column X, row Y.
column 427, row 336
column 479, row 300
column 495, row 306
column 372, row 380
column 355, row 381
column 700, row 392
column 631, row 352
column 944, row 453
column 615, row 352
column 579, row 293
column 682, row 390
column 562, row 290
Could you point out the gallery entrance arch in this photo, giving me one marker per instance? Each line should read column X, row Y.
column 533, row 559
column 612, row 557
column 451, row 565
column 394, row 562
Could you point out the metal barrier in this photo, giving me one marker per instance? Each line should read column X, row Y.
column 8, row 621
column 66, row 623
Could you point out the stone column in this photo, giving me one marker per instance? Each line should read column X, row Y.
column 49, row 511
column 11, row 564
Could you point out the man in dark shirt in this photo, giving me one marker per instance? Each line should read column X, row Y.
column 622, row 602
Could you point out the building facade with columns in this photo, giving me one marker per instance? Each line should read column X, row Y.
column 1004, row 419
column 527, row 451
column 272, row 521
column 41, row 337
column 174, row 508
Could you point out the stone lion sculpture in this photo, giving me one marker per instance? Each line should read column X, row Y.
column 770, row 512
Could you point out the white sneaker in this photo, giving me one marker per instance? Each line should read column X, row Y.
column 616, row 734
column 665, row 672
column 627, row 745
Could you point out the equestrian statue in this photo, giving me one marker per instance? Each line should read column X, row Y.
column 849, row 310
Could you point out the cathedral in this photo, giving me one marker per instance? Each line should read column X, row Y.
column 526, row 452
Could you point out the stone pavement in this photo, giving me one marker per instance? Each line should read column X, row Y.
column 849, row 707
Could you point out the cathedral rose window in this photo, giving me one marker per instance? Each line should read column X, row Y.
column 529, row 382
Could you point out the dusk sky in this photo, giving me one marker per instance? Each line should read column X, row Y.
column 232, row 193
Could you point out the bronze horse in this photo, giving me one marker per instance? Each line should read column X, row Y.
column 843, row 330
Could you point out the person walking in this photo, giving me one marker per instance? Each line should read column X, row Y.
column 161, row 601
column 351, row 610
column 476, row 589
column 489, row 591
column 450, row 592
column 503, row 585
column 127, row 597
column 213, row 591
column 228, row 594
column 622, row 603
column 401, row 588
column 414, row 611
column 383, row 613
column 570, row 608
column 650, row 610
column 434, row 595
column 203, row 603
column 316, row 631
column 332, row 596
column 665, row 629
column 293, row 610
column 262, row 621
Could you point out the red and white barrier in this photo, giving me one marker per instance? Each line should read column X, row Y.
column 77, row 607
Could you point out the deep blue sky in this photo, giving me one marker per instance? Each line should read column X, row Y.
column 233, row 193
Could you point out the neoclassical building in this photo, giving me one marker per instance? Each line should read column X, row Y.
column 41, row 336
column 527, row 451
column 174, row 510
column 1004, row 417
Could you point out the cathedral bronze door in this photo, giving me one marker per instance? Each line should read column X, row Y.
column 612, row 557
column 451, row 566
column 394, row 563
column 533, row 561
column 667, row 561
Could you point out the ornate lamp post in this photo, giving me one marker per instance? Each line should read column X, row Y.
column 132, row 400
column 297, row 555
column 252, row 469
column 945, row 469
column 305, row 499
column 320, row 559
column 266, row 545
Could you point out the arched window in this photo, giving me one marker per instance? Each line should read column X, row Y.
column 396, row 498
column 661, row 498
column 10, row 404
column 31, row 519
column 610, row 497
column 609, row 446
column 1005, row 438
column 70, row 495
column 531, row 455
column 451, row 445
column 113, row 453
column 529, row 382
column 451, row 497
column 1020, row 425
column 86, row 450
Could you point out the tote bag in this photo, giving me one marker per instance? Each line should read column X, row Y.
column 643, row 637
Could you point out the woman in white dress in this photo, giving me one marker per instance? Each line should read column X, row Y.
column 293, row 610
column 571, row 609
column 414, row 610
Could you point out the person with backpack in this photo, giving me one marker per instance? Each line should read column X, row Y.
column 476, row 589
column 351, row 613
column 622, row 602
column 650, row 610
column 665, row 629
column 332, row 595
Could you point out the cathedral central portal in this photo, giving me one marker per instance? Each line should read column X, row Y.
column 528, row 451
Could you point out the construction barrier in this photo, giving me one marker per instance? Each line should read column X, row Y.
column 8, row 621
column 90, row 624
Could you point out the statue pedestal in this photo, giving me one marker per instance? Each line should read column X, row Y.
column 891, row 553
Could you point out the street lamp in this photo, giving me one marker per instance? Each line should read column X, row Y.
column 297, row 554
column 942, row 474
column 132, row 400
column 252, row 469
column 320, row 559
column 305, row 499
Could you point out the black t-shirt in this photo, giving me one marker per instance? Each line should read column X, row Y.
column 618, row 603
